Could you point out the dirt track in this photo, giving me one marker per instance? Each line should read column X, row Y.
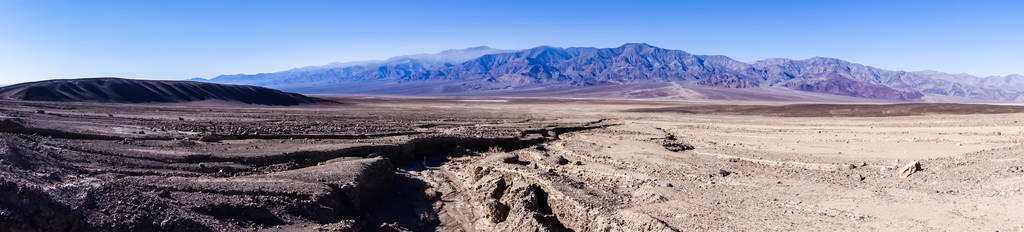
column 436, row 164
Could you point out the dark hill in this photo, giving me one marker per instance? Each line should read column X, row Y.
column 116, row 90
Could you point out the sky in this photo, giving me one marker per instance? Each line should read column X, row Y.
column 41, row 39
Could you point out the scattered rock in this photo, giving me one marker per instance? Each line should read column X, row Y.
column 910, row 169
column 431, row 194
column 392, row 227
column 209, row 138
column 561, row 160
column 496, row 211
column 677, row 147
column 427, row 218
column 498, row 188
column 857, row 177
column 476, row 173
column 514, row 159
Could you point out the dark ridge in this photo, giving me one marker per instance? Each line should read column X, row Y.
column 116, row 90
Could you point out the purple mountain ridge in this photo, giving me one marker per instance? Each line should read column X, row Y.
column 486, row 71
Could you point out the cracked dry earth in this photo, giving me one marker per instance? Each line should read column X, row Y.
column 516, row 165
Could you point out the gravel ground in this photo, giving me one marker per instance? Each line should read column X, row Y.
column 509, row 165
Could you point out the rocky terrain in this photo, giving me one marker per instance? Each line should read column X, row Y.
column 449, row 164
column 116, row 90
column 629, row 68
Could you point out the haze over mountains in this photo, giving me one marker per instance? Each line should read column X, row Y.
column 312, row 76
column 633, row 70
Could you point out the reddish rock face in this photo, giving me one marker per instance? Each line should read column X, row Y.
column 834, row 83
column 727, row 80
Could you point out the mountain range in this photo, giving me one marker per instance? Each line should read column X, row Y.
column 633, row 70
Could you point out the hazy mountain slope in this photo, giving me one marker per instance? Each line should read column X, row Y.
column 146, row 91
column 927, row 82
column 391, row 69
column 645, row 65
column 838, row 84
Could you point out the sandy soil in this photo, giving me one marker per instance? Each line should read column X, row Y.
column 507, row 165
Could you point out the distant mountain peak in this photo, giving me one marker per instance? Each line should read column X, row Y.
column 452, row 55
column 637, row 45
column 547, row 53
column 829, row 60
column 477, row 48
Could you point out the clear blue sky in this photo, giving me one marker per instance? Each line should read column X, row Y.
column 183, row 39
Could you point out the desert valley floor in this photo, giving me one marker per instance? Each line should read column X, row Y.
column 393, row 164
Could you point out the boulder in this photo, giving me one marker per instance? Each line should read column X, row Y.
column 910, row 169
